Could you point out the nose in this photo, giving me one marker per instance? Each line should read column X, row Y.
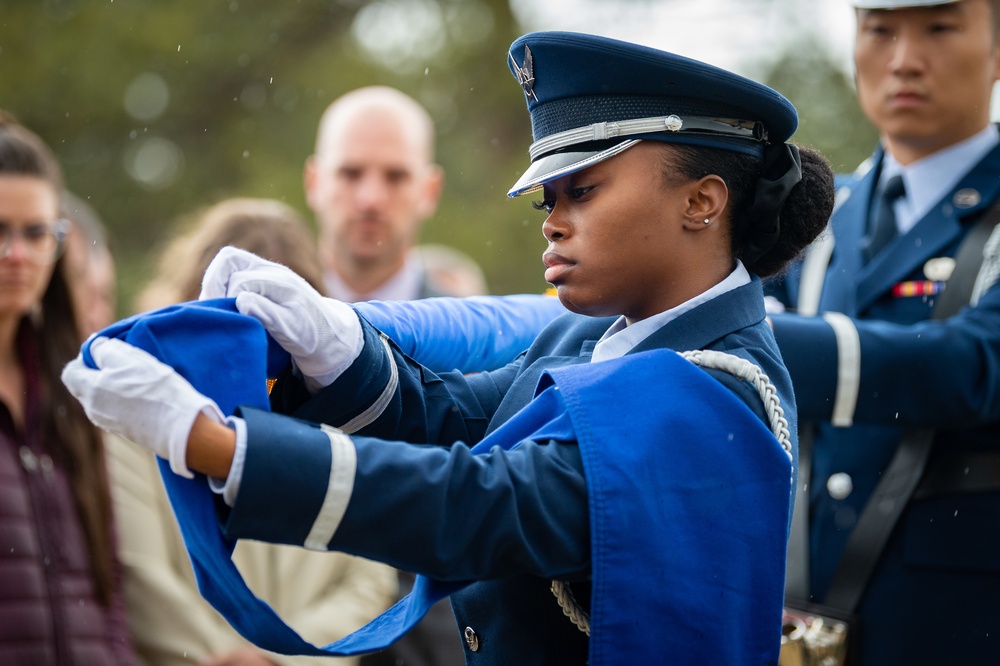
column 371, row 191
column 15, row 247
column 554, row 228
column 907, row 54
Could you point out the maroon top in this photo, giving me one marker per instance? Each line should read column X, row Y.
column 49, row 613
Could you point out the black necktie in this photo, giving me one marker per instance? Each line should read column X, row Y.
column 883, row 219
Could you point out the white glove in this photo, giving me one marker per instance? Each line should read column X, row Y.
column 140, row 398
column 323, row 335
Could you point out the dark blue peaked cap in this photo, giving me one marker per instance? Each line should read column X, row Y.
column 592, row 97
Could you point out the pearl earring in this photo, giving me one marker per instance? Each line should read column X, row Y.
column 708, row 220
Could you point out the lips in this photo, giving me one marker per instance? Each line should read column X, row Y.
column 555, row 266
column 907, row 98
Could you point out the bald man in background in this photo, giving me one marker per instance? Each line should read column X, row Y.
column 372, row 183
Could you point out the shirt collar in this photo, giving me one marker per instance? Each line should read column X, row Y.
column 929, row 179
column 404, row 285
column 620, row 339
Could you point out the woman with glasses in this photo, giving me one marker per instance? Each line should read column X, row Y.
column 60, row 599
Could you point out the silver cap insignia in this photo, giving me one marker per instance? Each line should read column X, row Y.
column 525, row 74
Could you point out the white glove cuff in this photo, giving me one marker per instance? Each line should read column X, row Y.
column 349, row 343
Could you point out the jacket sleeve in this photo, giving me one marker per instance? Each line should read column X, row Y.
column 470, row 334
column 386, row 394
column 442, row 511
column 932, row 373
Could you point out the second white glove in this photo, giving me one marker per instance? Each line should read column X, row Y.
column 323, row 335
column 138, row 397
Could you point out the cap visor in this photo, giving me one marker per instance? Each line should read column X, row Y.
column 558, row 165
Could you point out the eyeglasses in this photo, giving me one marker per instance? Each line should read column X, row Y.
column 43, row 243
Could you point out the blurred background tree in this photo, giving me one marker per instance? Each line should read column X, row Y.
column 159, row 108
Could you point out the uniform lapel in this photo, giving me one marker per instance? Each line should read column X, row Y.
column 848, row 224
column 932, row 234
column 724, row 314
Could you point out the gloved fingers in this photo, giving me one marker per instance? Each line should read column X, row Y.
column 128, row 370
column 274, row 317
column 229, row 260
column 78, row 378
column 278, row 283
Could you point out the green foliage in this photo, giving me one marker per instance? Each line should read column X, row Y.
column 830, row 119
column 247, row 82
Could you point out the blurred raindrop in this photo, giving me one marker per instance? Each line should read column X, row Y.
column 155, row 163
column 253, row 96
column 147, row 96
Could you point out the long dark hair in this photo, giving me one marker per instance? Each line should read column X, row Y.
column 68, row 435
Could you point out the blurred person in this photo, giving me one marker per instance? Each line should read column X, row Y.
column 60, row 595
column 600, row 460
column 372, row 183
column 91, row 265
column 451, row 272
column 900, row 380
column 323, row 597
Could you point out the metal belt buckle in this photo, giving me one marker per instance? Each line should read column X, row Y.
column 810, row 638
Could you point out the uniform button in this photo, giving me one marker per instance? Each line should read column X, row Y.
column 471, row 639
column 839, row 485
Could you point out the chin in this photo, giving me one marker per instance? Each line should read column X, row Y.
column 584, row 306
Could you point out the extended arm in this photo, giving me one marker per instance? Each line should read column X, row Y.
column 936, row 374
column 449, row 513
column 466, row 334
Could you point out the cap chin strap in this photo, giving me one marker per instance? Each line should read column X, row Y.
column 782, row 171
column 744, row 129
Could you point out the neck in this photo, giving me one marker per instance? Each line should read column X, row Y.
column 360, row 275
column 908, row 150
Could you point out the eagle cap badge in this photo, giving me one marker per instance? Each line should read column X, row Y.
column 525, row 73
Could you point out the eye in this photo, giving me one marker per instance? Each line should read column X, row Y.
column 943, row 26
column 546, row 204
column 397, row 177
column 36, row 233
column 349, row 174
column 876, row 26
column 578, row 193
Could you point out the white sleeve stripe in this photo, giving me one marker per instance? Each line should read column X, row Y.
column 814, row 267
column 343, row 465
column 369, row 415
column 848, row 368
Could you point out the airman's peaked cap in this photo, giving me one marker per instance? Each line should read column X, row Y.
column 592, row 97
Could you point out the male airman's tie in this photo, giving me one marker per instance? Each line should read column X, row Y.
column 883, row 222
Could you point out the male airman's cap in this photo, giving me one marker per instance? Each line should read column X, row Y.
column 591, row 98
column 899, row 4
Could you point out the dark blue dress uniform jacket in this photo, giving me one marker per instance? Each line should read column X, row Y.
column 449, row 516
column 934, row 596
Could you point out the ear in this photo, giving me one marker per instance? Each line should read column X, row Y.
column 706, row 200
column 310, row 178
column 432, row 188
